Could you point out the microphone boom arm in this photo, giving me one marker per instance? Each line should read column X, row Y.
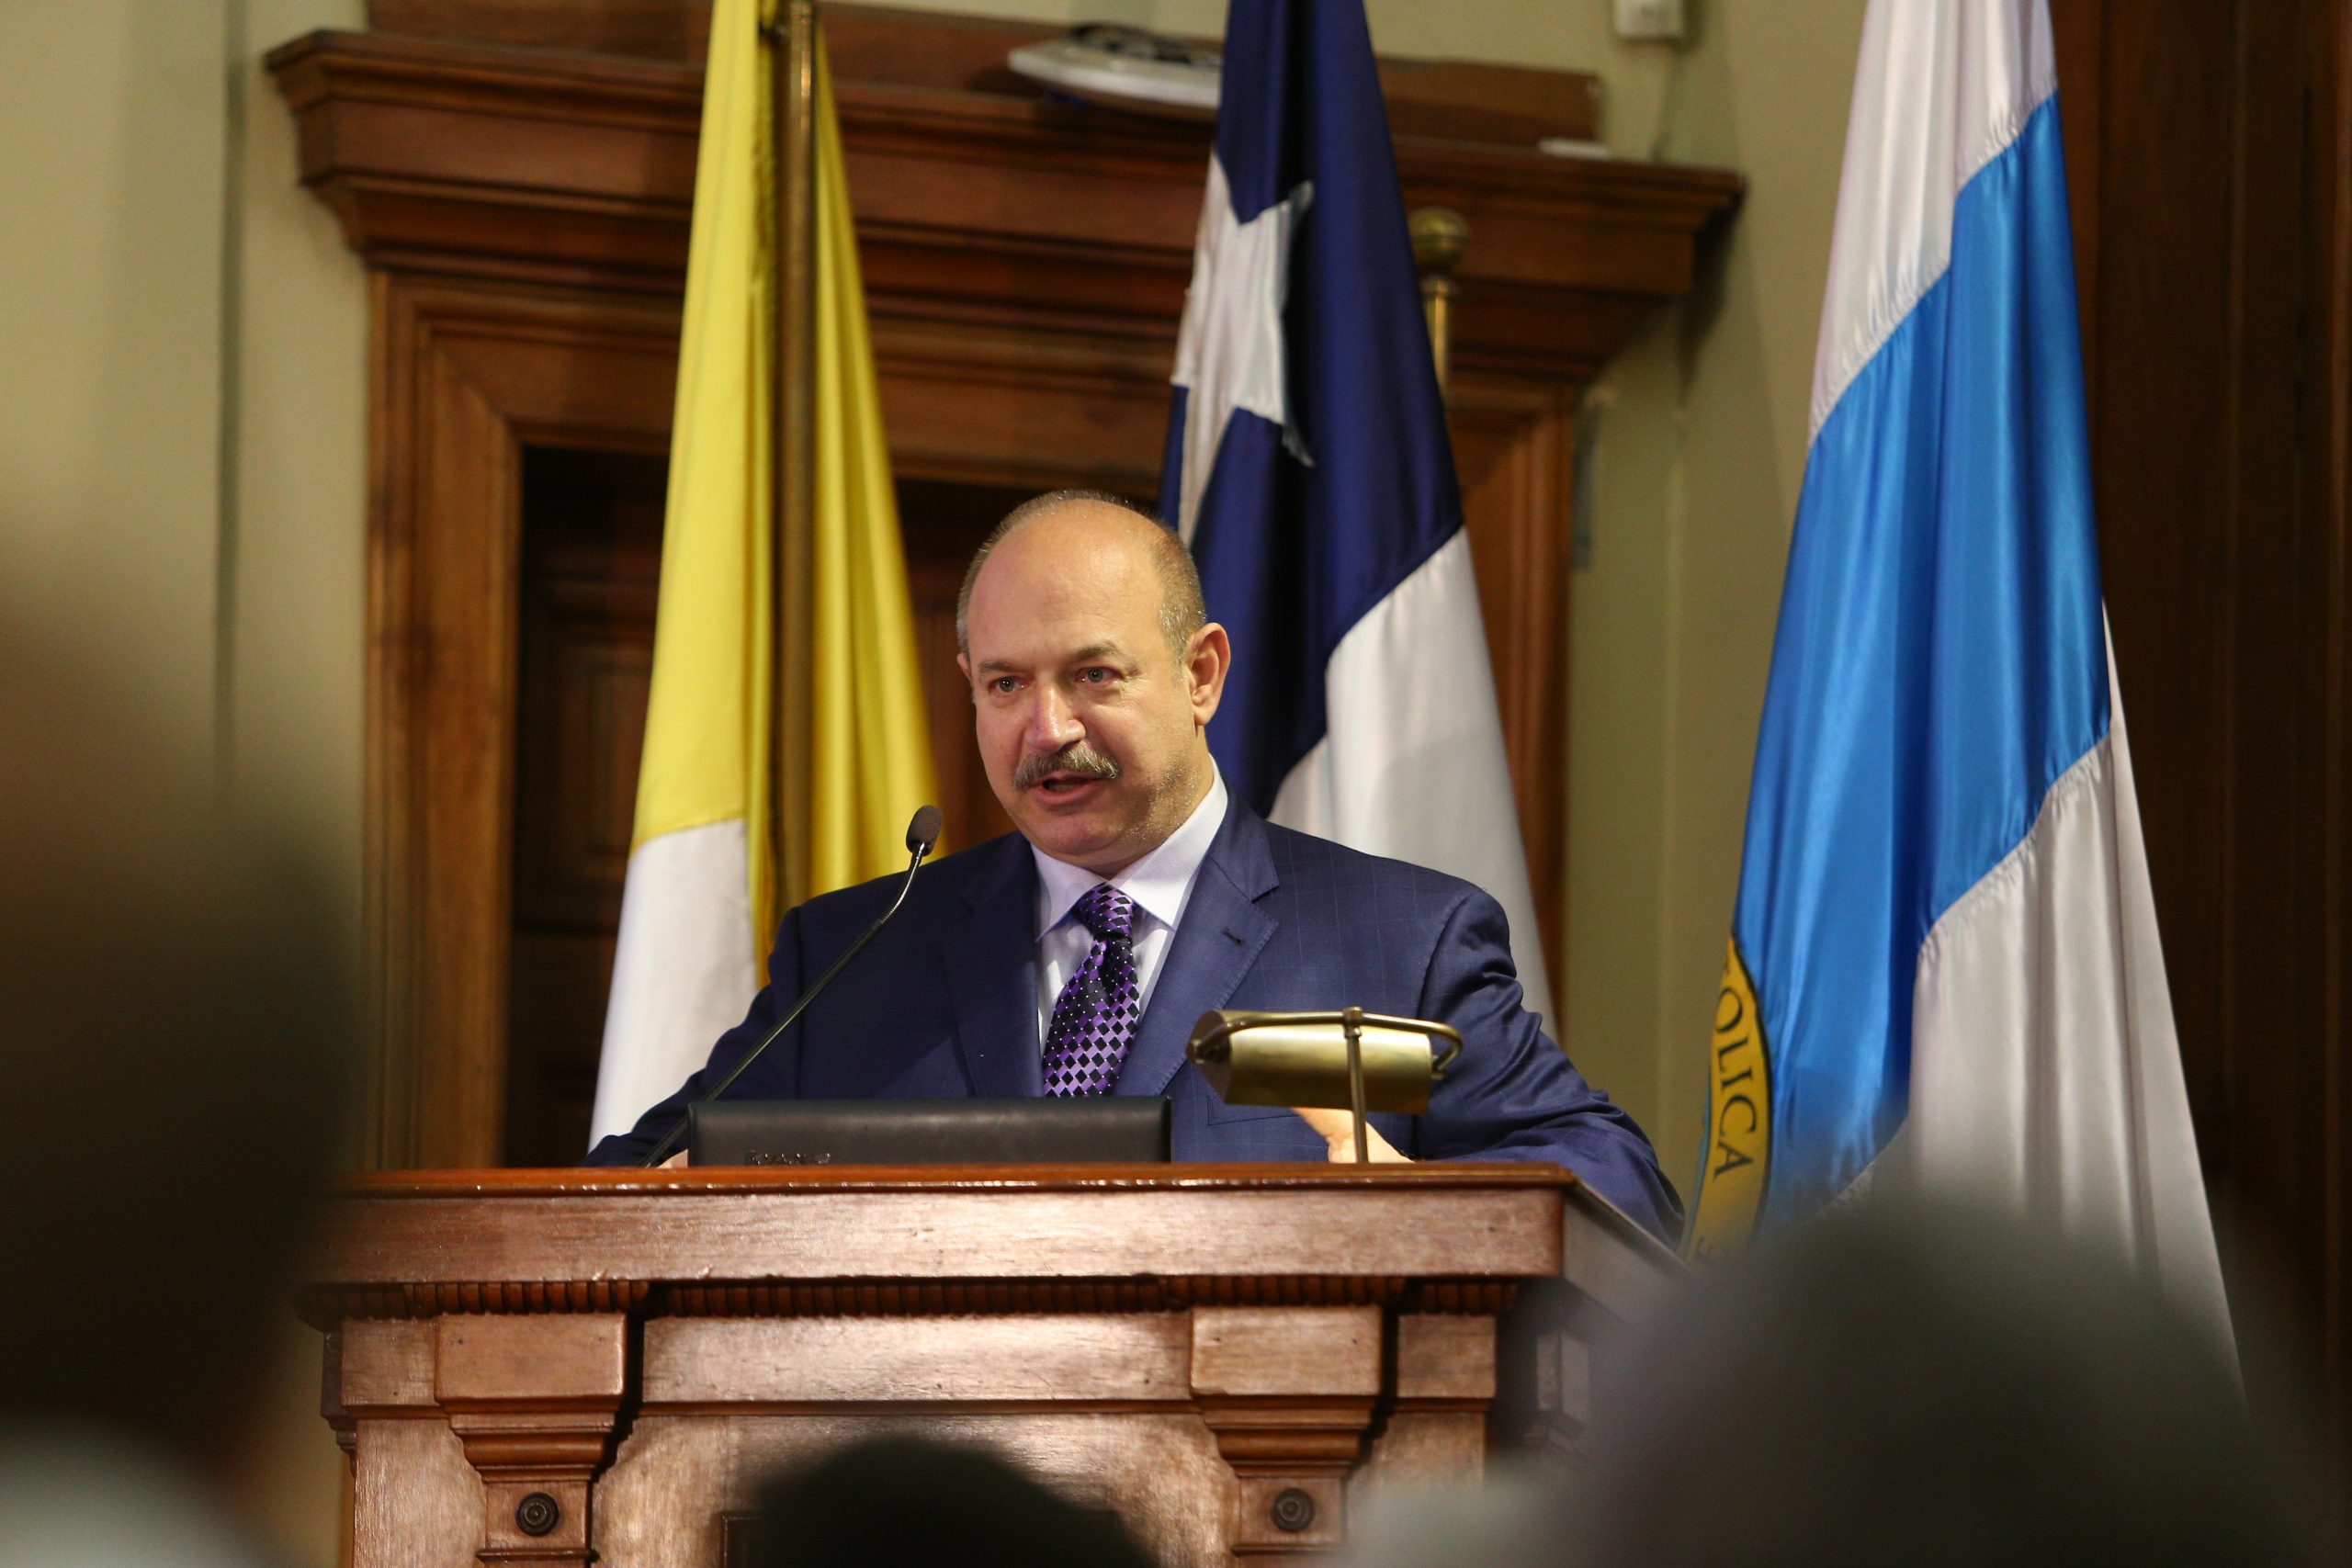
column 919, row 843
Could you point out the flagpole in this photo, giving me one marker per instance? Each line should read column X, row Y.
column 793, row 97
column 1439, row 236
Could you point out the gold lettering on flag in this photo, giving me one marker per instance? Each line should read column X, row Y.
column 1739, row 1119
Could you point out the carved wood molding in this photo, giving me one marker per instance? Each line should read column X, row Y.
column 1453, row 100
column 971, row 207
column 325, row 1308
column 535, row 1407
column 1292, row 1456
column 1289, row 1394
column 537, row 1467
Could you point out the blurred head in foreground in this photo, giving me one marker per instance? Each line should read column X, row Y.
column 172, row 1042
column 1932, row 1387
column 911, row 1500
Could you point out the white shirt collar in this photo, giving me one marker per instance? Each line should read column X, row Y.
column 1159, row 883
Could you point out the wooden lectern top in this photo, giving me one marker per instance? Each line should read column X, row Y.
column 408, row 1243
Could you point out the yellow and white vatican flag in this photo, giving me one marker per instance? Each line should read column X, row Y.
column 704, row 890
column 870, row 740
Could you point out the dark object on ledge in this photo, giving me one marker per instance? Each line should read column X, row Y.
column 1116, row 1129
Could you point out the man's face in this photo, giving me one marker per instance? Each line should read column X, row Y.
column 1090, row 726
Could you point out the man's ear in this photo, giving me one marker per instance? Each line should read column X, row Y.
column 1208, row 658
column 963, row 662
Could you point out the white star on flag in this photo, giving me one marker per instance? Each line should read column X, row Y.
column 1229, row 352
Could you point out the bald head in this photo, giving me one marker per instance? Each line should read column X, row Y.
column 1085, row 521
column 1094, row 675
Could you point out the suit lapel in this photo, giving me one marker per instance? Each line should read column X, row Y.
column 991, row 963
column 1223, row 931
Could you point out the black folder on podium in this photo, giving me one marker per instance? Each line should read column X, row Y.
column 1107, row 1129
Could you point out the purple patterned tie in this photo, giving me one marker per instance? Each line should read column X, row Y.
column 1094, row 1017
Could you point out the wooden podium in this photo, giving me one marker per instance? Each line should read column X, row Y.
column 568, row 1366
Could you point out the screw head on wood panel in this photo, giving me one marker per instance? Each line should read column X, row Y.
column 537, row 1513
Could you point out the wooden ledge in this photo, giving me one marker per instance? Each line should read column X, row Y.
column 804, row 1180
column 946, row 1240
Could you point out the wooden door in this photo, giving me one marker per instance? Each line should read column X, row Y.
column 587, row 576
column 2209, row 145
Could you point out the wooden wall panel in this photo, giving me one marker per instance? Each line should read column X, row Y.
column 589, row 573
column 1514, row 445
column 2158, row 387
column 943, row 523
column 2207, row 147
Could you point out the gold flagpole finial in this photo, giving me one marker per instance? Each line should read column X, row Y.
column 1439, row 236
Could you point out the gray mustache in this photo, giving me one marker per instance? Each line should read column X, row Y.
column 1075, row 758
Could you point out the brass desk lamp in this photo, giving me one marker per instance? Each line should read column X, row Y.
column 1348, row 1060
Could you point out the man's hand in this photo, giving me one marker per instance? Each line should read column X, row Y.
column 1338, row 1131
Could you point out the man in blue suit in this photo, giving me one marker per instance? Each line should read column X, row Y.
column 1075, row 956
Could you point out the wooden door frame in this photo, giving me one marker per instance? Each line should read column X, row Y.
column 465, row 374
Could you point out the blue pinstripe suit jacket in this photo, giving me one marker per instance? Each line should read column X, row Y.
column 945, row 1004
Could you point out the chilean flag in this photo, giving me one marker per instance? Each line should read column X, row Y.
column 1309, row 469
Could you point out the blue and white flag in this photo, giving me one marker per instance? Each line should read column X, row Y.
column 1309, row 469
column 1944, row 967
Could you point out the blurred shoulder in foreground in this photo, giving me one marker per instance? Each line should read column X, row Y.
column 1935, row 1386
column 902, row 1499
column 176, row 1039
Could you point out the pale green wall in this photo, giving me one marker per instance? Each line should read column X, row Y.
column 1698, row 461
column 1698, row 458
column 111, row 325
column 1550, row 34
column 169, row 295
column 297, row 617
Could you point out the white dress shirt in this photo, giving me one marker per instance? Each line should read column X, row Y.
column 1160, row 884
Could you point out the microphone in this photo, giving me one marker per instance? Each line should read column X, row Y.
column 923, row 833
